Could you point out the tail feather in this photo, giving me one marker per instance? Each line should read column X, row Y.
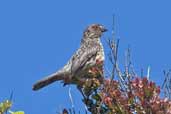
column 48, row 80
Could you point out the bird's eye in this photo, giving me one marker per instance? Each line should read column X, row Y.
column 95, row 27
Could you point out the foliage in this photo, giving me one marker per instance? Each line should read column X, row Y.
column 125, row 92
column 142, row 99
column 5, row 107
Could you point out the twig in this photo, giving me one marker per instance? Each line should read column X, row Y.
column 166, row 86
column 86, row 109
column 148, row 73
column 71, row 100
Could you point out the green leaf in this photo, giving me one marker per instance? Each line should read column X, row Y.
column 18, row 112
column 4, row 106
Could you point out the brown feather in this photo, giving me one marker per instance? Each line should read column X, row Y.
column 48, row 80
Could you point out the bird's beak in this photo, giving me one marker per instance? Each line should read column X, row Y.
column 104, row 30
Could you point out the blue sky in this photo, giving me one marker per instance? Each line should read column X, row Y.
column 37, row 37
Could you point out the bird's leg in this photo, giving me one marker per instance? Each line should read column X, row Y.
column 81, row 91
column 85, row 98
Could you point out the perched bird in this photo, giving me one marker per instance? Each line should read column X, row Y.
column 90, row 51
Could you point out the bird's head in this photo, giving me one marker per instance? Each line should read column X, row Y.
column 94, row 31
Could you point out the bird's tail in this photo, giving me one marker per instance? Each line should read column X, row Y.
column 48, row 80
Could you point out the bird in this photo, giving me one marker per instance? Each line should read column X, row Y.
column 90, row 52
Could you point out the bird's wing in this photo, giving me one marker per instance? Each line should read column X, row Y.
column 82, row 56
